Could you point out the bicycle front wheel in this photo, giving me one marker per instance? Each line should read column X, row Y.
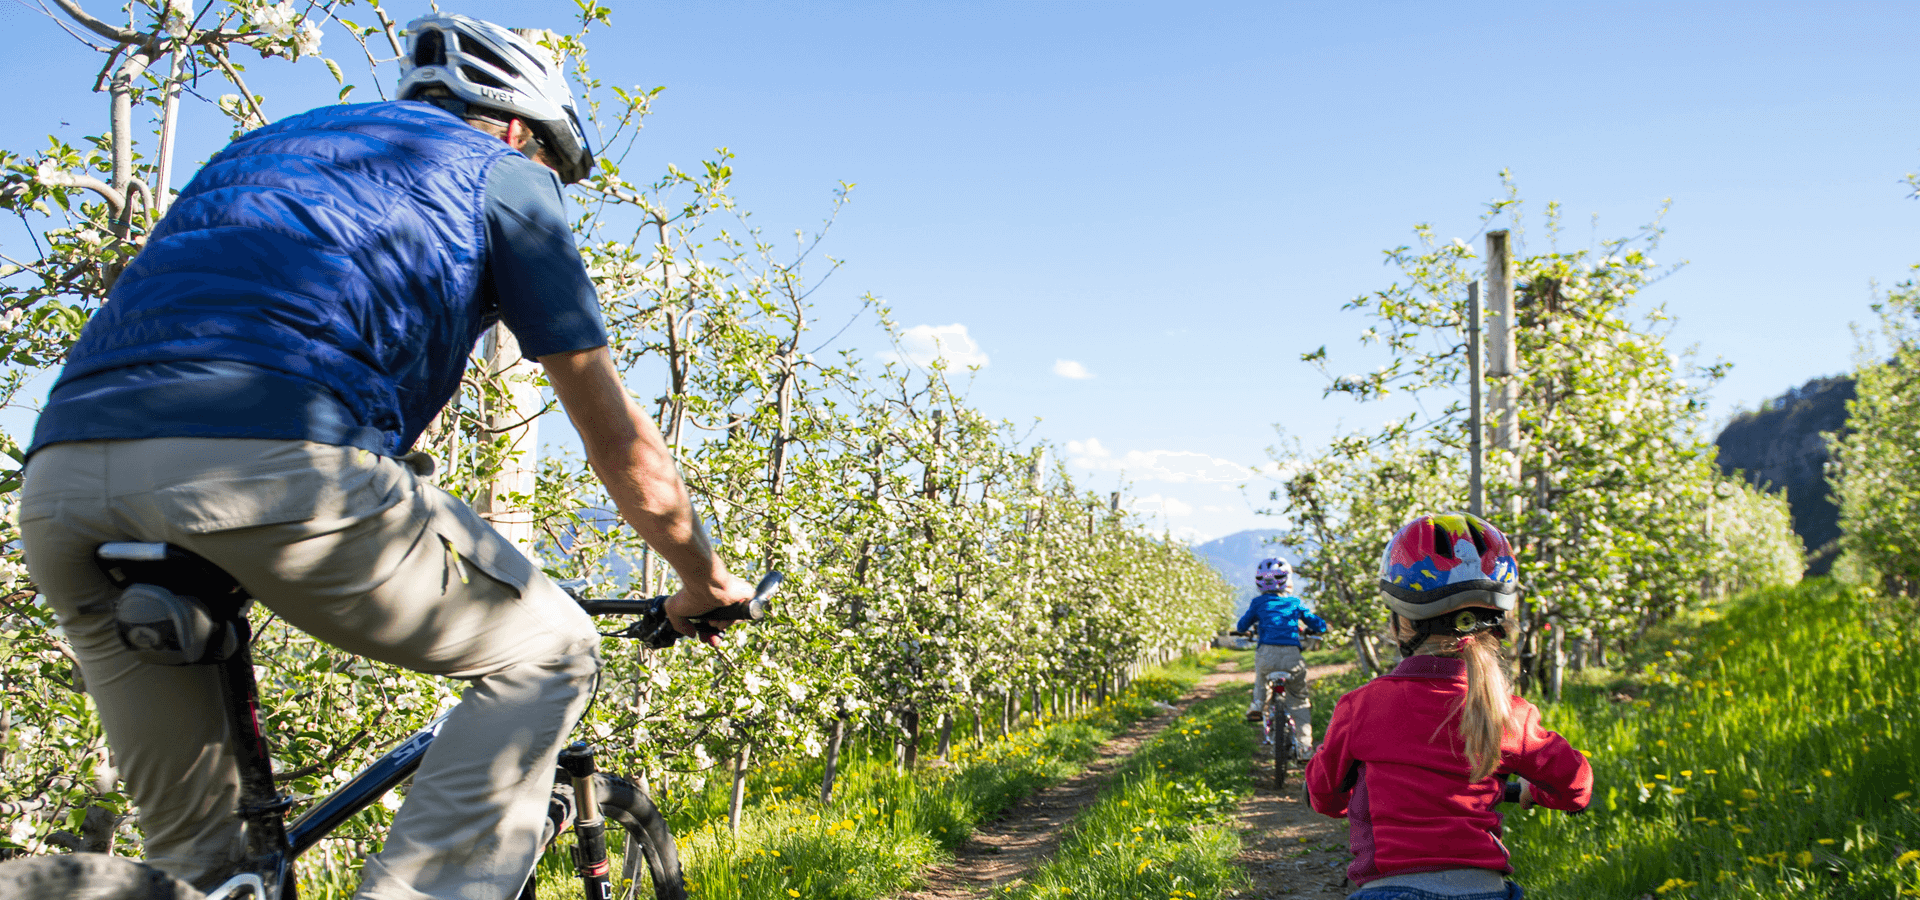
column 624, row 802
column 89, row 876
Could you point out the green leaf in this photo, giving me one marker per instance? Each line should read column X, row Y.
column 334, row 67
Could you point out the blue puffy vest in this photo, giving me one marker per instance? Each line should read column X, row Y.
column 342, row 246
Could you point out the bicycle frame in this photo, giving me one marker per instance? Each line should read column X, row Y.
column 265, row 872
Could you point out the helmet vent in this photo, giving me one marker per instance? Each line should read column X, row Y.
column 486, row 55
column 430, row 49
column 1479, row 539
column 1441, row 547
column 479, row 76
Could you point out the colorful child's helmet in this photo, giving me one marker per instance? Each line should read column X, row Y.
column 1273, row 574
column 1441, row 563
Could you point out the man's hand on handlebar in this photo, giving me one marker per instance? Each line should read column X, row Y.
column 724, row 589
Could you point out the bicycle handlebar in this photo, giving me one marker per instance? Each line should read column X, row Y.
column 657, row 632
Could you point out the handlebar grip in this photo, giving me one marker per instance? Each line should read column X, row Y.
column 1510, row 792
column 752, row 610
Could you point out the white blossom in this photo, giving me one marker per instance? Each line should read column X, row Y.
column 276, row 21
column 307, row 42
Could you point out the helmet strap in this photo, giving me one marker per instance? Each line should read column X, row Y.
column 1460, row 623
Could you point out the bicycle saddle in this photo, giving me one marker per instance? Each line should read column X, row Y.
column 175, row 608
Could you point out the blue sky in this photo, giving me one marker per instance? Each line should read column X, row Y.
column 1179, row 197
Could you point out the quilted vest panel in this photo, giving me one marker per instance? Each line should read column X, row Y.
column 343, row 246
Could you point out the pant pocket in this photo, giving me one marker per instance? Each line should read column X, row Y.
column 473, row 544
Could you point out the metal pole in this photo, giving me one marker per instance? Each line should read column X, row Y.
column 1501, row 359
column 1476, row 424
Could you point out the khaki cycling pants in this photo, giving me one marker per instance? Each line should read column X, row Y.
column 1281, row 658
column 357, row 550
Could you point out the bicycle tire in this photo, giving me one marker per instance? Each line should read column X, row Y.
column 1282, row 748
column 623, row 802
column 89, row 876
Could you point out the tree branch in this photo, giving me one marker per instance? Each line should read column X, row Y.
column 116, row 202
column 220, row 57
column 112, row 33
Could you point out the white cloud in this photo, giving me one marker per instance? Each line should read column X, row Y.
column 1176, row 466
column 1190, row 535
column 1067, row 368
column 922, row 344
column 1160, row 503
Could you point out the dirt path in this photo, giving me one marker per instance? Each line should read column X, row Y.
column 1290, row 851
column 1010, row 847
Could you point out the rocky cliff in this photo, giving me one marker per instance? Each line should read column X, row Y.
column 1781, row 447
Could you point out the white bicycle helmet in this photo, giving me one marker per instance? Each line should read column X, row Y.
column 496, row 70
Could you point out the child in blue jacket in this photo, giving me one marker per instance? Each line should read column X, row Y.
column 1277, row 618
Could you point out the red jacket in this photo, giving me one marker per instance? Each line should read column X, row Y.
column 1394, row 764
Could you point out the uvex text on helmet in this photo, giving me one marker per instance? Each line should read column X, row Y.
column 499, row 72
column 1440, row 563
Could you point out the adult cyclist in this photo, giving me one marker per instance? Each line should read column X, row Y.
column 1277, row 617
column 251, row 392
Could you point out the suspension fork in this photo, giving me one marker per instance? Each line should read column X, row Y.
column 589, row 827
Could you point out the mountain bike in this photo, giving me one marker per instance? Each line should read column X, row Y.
column 177, row 608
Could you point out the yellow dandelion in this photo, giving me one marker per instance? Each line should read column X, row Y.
column 1805, row 858
column 1824, row 841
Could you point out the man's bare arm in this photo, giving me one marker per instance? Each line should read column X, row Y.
column 630, row 457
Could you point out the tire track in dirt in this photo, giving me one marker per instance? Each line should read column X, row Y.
column 1009, row 847
column 1289, row 851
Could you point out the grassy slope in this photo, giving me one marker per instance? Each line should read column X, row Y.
column 1769, row 749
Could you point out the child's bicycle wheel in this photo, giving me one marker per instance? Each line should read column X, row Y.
column 1279, row 731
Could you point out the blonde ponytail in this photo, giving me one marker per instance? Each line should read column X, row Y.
column 1487, row 709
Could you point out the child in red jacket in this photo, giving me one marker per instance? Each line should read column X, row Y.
column 1417, row 758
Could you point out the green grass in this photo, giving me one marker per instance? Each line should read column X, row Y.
column 1769, row 749
column 1161, row 828
column 885, row 825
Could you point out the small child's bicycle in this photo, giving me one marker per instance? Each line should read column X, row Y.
column 189, row 611
column 1277, row 729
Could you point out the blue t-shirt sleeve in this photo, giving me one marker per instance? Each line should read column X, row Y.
column 534, row 275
